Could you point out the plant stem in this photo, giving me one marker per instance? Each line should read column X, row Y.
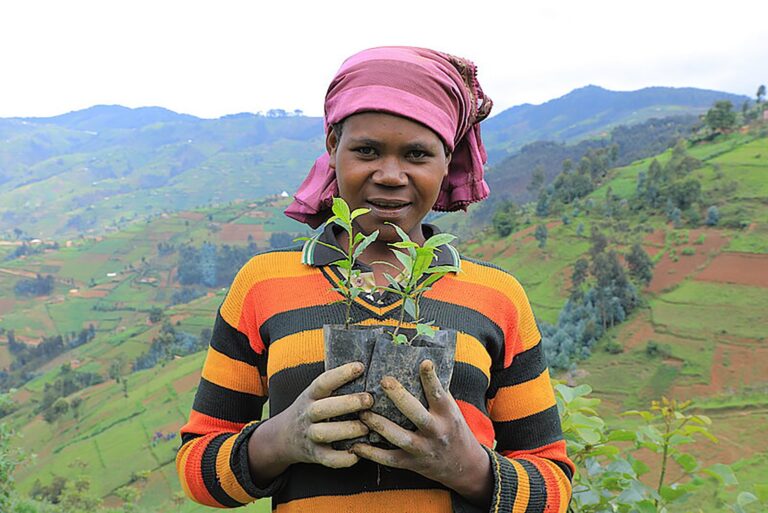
column 664, row 458
column 401, row 319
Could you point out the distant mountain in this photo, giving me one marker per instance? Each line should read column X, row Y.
column 108, row 165
column 591, row 110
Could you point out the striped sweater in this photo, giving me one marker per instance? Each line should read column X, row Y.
column 267, row 345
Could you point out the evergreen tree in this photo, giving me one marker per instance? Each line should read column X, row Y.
column 505, row 218
column 720, row 117
column 761, row 94
column 713, row 216
column 640, row 264
column 541, row 235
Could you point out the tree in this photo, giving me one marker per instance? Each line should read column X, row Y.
column 505, row 219
column 155, row 314
column 713, row 216
column 721, row 117
column 280, row 240
column 537, row 179
column 579, row 275
column 761, row 93
column 541, row 235
column 640, row 264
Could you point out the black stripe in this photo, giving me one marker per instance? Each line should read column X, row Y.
column 309, row 318
column 186, row 437
column 468, row 383
column 222, row 403
column 537, row 500
column 525, row 366
column 565, row 468
column 210, row 479
column 530, row 432
column 506, row 477
column 466, row 320
column 286, row 385
column 309, row 480
column 229, row 341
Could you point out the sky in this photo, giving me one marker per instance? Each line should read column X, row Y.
column 211, row 58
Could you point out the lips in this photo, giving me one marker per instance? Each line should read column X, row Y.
column 388, row 203
column 387, row 208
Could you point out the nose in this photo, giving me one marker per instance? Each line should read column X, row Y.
column 390, row 173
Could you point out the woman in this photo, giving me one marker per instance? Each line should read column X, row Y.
column 402, row 138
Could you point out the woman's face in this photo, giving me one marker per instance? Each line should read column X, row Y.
column 391, row 165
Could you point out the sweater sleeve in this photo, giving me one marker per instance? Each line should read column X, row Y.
column 531, row 469
column 212, row 461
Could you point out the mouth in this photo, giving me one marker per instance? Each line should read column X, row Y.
column 384, row 207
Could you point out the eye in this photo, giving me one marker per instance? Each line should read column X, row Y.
column 365, row 151
column 418, row 154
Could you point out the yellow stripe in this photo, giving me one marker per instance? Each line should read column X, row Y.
column 469, row 350
column 181, row 465
column 232, row 374
column 260, row 268
column 403, row 501
column 519, row 401
column 497, row 499
column 226, row 477
column 563, row 484
column 523, row 489
column 297, row 349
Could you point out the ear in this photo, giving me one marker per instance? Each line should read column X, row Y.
column 447, row 162
column 331, row 143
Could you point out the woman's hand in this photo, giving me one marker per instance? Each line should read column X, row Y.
column 299, row 434
column 442, row 448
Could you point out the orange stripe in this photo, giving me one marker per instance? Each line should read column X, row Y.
column 555, row 451
column 201, row 424
column 563, row 487
column 512, row 289
column 192, row 468
column 226, row 477
column 181, row 465
column 469, row 350
column 403, row 501
column 232, row 374
column 523, row 489
column 519, row 401
column 260, row 268
column 481, row 426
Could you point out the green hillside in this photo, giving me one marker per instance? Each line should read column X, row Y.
column 697, row 333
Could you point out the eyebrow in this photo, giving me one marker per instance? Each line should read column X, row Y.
column 415, row 145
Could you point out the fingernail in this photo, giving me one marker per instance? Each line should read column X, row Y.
column 359, row 367
column 427, row 365
column 388, row 383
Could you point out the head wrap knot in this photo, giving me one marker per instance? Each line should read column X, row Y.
column 438, row 90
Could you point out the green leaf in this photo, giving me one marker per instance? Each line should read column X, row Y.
column 445, row 269
column 344, row 264
column 439, row 240
column 400, row 339
column 341, row 209
column 745, row 498
column 722, row 473
column 403, row 236
column 359, row 212
column 395, row 284
column 670, row 494
column 358, row 237
column 364, row 244
column 301, row 239
column 621, row 435
column 404, row 259
column 331, row 246
column 410, row 307
column 403, row 245
column 686, row 461
column 431, row 279
column 646, row 506
column 425, row 330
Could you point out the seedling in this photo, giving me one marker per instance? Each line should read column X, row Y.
column 418, row 278
column 358, row 242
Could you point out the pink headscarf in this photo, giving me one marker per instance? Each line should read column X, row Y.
column 435, row 89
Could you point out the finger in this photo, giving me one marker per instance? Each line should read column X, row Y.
column 407, row 403
column 433, row 389
column 396, row 435
column 328, row 457
column 328, row 381
column 330, row 407
column 327, row 432
column 396, row 458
